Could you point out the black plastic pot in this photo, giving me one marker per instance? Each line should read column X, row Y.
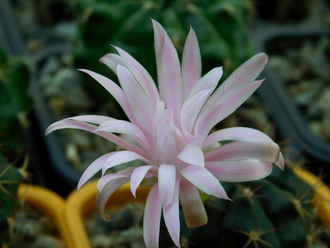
column 60, row 164
column 290, row 120
column 47, row 166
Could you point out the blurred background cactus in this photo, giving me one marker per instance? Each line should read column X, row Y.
column 15, row 105
column 10, row 179
column 15, row 102
column 272, row 212
column 221, row 27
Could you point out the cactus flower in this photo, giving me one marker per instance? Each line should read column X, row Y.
column 169, row 130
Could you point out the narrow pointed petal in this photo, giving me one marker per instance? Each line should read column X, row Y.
column 114, row 90
column 122, row 157
column 92, row 169
column 204, row 180
column 137, row 176
column 168, row 70
column 103, row 196
column 208, row 82
column 192, row 154
column 94, row 119
column 151, row 219
column 281, row 162
column 192, row 205
column 171, row 215
column 112, row 60
column 235, row 133
column 141, row 75
column 125, row 127
column 265, row 151
column 205, row 122
column 191, row 108
column 245, row 74
column 66, row 123
column 191, row 63
column 229, row 103
column 166, row 174
column 136, row 97
column 239, row 171
column 235, row 98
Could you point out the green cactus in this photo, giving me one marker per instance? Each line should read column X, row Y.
column 221, row 27
column 273, row 212
column 10, row 178
column 14, row 100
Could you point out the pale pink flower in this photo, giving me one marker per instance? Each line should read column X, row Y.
column 169, row 132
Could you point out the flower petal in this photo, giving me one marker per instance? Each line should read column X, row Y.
column 235, row 98
column 204, row 180
column 235, row 133
column 191, row 63
column 192, row 154
column 108, row 189
column 265, row 151
column 67, row 123
column 95, row 119
column 171, row 215
column 122, row 157
column 239, row 171
column 115, row 91
column 141, row 75
column 151, row 219
column 92, row 169
column 208, row 82
column 191, row 108
column 112, row 60
column 136, row 97
column 166, row 175
column 192, row 205
column 245, row 74
column 168, row 70
column 137, row 176
column 119, row 126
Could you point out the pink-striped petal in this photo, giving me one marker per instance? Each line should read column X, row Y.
column 108, row 189
column 235, row 133
column 245, row 74
column 191, row 108
column 112, row 60
column 66, row 123
column 192, row 154
column 235, row 98
column 141, row 75
column 136, row 97
column 122, row 157
column 151, row 219
column 208, row 82
column 192, row 205
column 191, row 63
column 281, row 162
column 125, row 127
column 205, row 122
column 265, row 151
column 239, row 170
column 171, row 215
column 138, row 175
column 92, row 169
column 94, row 119
column 166, row 175
column 204, row 180
column 115, row 91
column 168, row 70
